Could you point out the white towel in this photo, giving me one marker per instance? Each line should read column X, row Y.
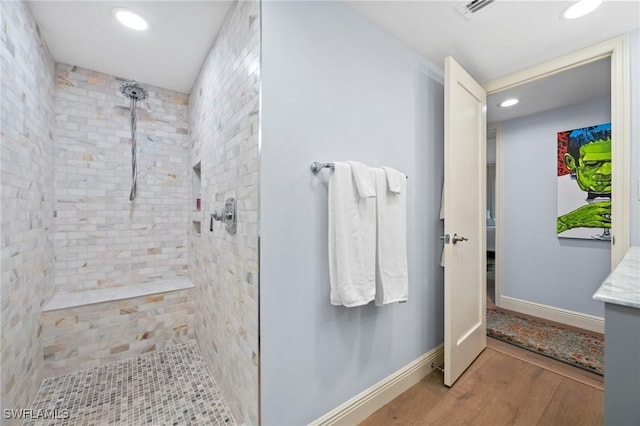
column 363, row 179
column 352, row 244
column 395, row 179
column 392, row 283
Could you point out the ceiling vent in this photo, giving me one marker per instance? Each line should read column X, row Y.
column 468, row 9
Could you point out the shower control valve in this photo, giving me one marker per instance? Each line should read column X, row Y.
column 227, row 216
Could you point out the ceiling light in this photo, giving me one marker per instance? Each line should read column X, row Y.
column 508, row 103
column 130, row 19
column 580, row 9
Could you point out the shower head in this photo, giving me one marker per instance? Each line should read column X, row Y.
column 133, row 90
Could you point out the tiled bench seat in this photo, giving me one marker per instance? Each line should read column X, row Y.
column 90, row 328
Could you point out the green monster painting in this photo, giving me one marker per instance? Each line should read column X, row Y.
column 584, row 157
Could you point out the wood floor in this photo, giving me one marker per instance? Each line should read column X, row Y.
column 499, row 389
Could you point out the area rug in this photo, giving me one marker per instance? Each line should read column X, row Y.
column 572, row 347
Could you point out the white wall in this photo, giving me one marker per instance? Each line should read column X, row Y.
column 538, row 266
column 635, row 136
column 491, row 151
column 336, row 88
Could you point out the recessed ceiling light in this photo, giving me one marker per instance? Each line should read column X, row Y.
column 130, row 19
column 581, row 8
column 509, row 103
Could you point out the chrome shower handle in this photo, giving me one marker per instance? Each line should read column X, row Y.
column 227, row 216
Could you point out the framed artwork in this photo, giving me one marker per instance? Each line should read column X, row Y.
column 584, row 183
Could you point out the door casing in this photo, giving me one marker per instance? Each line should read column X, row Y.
column 617, row 49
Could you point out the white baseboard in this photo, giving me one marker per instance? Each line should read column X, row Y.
column 370, row 400
column 575, row 319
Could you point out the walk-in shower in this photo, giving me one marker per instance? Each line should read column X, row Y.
column 136, row 93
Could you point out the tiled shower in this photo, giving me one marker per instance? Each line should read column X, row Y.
column 92, row 282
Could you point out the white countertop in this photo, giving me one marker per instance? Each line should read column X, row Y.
column 622, row 286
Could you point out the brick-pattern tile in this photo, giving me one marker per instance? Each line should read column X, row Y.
column 102, row 239
column 223, row 126
column 26, row 176
column 93, row 335
column 74, row 229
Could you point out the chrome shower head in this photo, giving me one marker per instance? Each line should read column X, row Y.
column 133, row 90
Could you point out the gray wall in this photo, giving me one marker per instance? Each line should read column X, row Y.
column 635, row 137
column 538, row 266
column 336, row 88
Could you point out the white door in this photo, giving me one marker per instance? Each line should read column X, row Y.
column 464, row 221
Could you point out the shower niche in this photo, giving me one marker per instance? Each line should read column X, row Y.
column 196, row 199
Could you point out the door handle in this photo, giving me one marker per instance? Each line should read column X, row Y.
column 456, row 238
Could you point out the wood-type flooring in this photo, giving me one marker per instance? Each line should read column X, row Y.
column 504, row 386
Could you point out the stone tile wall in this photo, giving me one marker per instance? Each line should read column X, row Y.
column 94, row 335
column 102, row 238
column 26, row 174
column 223, row 125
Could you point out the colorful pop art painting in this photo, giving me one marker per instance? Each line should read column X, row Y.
column 584, row 183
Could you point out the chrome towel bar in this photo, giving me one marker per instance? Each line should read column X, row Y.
column 316, row 167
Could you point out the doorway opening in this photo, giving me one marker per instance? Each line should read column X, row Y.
column 534, row 268
column 491, row 215
column 535, row 264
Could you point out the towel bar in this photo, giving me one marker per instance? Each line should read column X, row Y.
column 316, row 167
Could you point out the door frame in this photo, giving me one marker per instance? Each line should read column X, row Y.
column 617, row 49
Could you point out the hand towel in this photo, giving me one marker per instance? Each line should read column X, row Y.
column 352, row 244
column 363, row 179
column 392, row 282
column 394, row 180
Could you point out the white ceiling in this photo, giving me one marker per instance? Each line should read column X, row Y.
column 504, row 37
column 168, row 55
column 571, row 87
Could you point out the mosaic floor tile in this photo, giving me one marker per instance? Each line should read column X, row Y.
column 171, row 386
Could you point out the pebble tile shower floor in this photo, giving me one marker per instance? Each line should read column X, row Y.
column 171, row 386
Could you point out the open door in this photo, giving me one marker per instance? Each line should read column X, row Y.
column 464, row 221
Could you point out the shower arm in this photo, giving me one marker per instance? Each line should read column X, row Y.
column 134, row 151
column 136, row 93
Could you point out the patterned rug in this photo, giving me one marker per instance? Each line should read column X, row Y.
column 572, row 347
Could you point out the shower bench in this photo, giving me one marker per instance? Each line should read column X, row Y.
column 90, row 328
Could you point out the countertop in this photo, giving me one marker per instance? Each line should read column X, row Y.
column 622, row 286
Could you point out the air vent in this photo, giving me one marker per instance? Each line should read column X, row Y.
column 468, row 9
